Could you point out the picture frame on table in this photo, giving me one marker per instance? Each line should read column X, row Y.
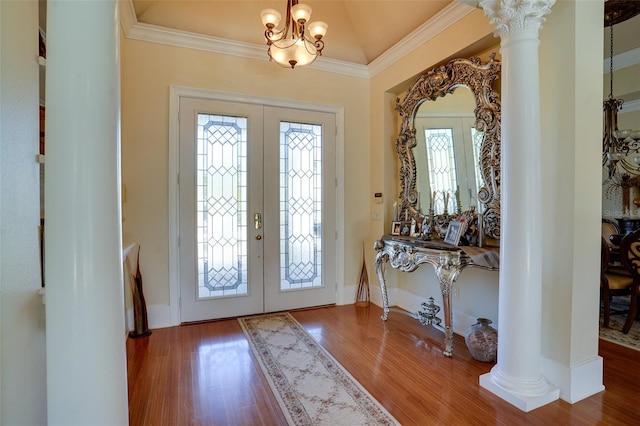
column 454, row 232
column 405, row 228
column 395, row 228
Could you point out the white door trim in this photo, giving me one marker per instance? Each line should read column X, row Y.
column 175, row 93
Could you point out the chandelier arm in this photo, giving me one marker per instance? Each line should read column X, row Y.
column 611, row 62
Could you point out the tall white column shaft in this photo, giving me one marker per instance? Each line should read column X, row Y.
column 517, row 375
column 86, row 359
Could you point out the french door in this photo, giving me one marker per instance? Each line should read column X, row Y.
column 257, row 229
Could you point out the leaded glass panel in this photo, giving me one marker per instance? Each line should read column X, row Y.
column 442, row 168
column 477, row 138
column 300, row 205
column 221, row 205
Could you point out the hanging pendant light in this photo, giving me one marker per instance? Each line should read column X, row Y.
column 290, row 46
column 620, row 148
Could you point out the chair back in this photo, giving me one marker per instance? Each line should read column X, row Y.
column 609, row 228
column 630, row 253
column 604, row 255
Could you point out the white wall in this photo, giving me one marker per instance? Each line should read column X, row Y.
column 22, row 346
column 571, row 115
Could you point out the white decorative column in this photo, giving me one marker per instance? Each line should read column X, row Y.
column 517, row 375
column 86, row 355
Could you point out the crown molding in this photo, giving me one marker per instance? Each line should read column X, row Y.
column 127, row 15
column 434, row 26
column 155, row 34
column 622, row 60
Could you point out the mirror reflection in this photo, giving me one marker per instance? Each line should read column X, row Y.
column 449, row 148
column 447, row 152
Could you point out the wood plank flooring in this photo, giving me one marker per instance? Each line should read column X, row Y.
column 205, row 374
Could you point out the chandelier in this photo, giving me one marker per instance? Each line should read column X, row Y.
column 620, row 148
column 290, row 46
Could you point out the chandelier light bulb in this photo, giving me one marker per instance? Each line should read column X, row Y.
column 270, row 18
column 318, row 29
column 301, row 13
column 615, row 156
column 622, row 134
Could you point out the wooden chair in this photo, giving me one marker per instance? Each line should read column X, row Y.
column 609, row 228
column 630, row 256
column 611, row 284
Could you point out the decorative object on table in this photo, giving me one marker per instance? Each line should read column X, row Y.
column 482, row 340
column 416, row 226
column 395, row 228
column 362, row 295
column 454, row 232
column 141, row 327
column 405, row 228
column 427, row 315
column 291, row 45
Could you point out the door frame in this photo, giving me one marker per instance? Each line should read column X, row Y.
column 177, row 92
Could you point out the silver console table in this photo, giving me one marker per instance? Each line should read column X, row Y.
column 407, row 254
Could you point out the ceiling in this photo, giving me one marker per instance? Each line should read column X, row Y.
column 359, row 31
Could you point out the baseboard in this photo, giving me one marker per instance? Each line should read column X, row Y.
column 158, row 316
column 575, row 382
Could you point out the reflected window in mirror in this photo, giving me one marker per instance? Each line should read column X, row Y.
column 447, row 152
column 451, row 154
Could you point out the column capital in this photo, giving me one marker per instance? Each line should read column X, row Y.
column 516, row 16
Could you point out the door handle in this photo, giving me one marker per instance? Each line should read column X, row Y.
column 257, row 221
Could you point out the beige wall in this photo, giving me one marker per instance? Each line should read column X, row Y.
column 149, row 69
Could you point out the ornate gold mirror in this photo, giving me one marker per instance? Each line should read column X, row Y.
column 482, row 151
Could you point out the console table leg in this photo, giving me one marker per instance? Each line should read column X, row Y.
column 382, row 257
column 448, row 328
column 447, row 271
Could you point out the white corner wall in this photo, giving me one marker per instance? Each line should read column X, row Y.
column 22, row 334
column 571, row 45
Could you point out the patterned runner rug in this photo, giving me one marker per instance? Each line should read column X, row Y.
column 311, row 387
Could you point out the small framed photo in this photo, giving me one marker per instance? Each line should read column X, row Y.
column 454, row 232
column 395, row 228
column 405, row 228
column 416, row 229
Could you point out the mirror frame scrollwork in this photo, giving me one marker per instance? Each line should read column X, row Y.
column 438, row 82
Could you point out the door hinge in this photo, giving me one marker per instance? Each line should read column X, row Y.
column 178, row 179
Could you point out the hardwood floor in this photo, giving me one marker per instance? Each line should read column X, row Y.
column 205, row 374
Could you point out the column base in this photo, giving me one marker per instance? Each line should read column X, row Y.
column 524, row 402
